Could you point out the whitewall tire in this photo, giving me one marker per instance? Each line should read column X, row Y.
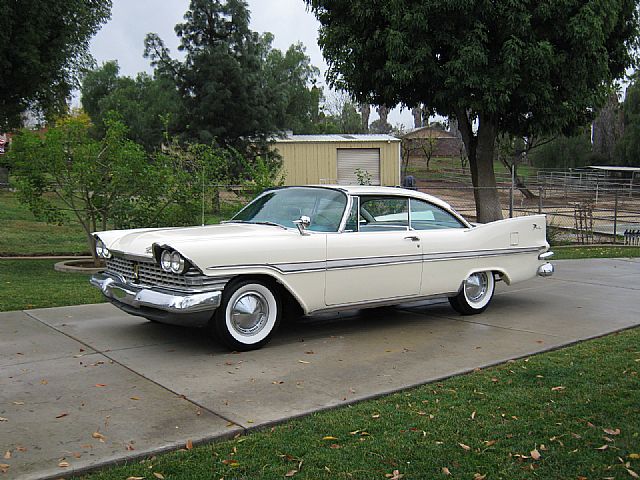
column 248, row 315
column 475, row 295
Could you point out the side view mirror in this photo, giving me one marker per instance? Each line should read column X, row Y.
column 302, row 224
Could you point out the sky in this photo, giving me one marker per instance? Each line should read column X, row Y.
column 122, row 38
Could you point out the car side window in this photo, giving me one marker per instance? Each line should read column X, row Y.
column 426, row 216
column 381, row 214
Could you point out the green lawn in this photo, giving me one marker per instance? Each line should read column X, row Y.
column 22, row 234
column 26, row 284
column 608, row 251
column 568, row 414
column 440, row 167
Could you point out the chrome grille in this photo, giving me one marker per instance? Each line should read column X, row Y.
column 151, row 274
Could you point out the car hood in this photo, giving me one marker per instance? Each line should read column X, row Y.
column 139, row 242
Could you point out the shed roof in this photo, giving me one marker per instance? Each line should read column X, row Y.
column 606, row 168
column 337, row 138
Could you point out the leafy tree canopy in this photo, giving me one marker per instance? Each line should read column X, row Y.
column 43, row 47
column 150, row 106
column 497, row 66
column 232, row 83
column 628, row 148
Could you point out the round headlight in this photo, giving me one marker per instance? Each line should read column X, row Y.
column 105, row 252
column 165, row 261
column 100, row 248
column 177, row 263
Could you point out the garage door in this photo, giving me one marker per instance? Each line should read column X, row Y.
column 352, row 159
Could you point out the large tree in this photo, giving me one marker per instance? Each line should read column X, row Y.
column 233, row 84
column 628, row 148
column 149, row 106
column 499, row 66
column 43, row 47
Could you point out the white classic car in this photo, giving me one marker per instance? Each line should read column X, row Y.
column 314, row 249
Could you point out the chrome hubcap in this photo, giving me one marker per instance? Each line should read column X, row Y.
column 476, row 286
column 249, row 313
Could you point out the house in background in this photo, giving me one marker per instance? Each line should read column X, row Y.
column 336, row 159
column 422, row 144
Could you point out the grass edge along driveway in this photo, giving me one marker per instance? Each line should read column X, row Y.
column 572, row 413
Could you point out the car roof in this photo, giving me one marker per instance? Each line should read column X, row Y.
column 379, row 190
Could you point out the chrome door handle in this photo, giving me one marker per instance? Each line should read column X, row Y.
column 412, row 238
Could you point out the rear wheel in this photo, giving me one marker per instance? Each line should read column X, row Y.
column 248, row 315
column 475, row 295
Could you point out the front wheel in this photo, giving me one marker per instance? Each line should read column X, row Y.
column 248, row 315
column 475, row 294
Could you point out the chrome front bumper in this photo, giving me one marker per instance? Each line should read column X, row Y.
column 118, row 290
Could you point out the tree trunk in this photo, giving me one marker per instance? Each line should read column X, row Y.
column 480, row 149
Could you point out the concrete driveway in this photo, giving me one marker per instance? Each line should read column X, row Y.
column 84, row 386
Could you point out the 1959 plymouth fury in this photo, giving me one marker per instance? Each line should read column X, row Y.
column 314, row 249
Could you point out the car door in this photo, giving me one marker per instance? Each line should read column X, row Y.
column 377, row 257
column 447, row 253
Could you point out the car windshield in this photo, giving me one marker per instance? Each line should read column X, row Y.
column 325, row 208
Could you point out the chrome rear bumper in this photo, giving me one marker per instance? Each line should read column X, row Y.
column 115, row 288
column 545, row 270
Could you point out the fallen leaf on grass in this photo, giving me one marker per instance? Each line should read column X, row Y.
column 603, row 447
column 329, row 437
column 535, row 454
column 489, row 443
column 473, row 415
column 231, row 462
column 477, row 476
column 375, row 415
column 396, row 475
column 291, row 473
column 558, row 388
column 632, row 473
column 610, row 431
column 189, row 445
column 135, row 478
column 158, row 475
column 446, row 471
column 634, row 456
column 464, row 447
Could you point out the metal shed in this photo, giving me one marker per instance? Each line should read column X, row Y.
column 331, row 159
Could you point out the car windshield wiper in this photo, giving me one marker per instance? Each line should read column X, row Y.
column 273, row 224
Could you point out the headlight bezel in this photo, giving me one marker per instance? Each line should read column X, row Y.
column 171, row 261
column 101, row 249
